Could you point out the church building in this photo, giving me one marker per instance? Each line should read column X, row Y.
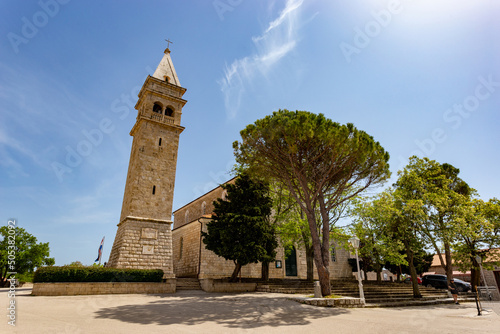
column 192, row 259
column 145, row 238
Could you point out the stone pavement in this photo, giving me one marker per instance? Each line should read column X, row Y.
column 201, row 312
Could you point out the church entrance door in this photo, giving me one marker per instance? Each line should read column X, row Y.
column 291, row 263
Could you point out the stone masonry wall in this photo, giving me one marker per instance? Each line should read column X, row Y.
column 101, row 288
column 186, row 249
column 197, row 208
column 214, row 266
column 151, row 165
column 142, row 243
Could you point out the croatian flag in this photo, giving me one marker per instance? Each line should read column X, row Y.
column 100, row 251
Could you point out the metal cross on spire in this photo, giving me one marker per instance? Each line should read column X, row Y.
column 168, row 42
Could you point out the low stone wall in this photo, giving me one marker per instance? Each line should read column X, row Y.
column 102, row 288
column 211, row 285
column 346, row 302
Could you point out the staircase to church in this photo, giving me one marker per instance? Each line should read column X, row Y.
column 376, row 294
column 187, row 284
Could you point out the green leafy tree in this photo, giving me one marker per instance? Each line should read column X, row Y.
column 421, row 260
column 240, row 229
column 405, row 224
column 75, row 264
column 22, row 255
column 378, row 244
column 479, row 235
column 399, row 223
column 322, row 163
column 442, row 195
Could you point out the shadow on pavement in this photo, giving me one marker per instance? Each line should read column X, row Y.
column 234, row 311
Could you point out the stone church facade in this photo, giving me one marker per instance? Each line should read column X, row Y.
column 192, row 259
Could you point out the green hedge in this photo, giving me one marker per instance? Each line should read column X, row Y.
column 95, row 274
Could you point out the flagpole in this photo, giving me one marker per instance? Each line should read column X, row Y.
column 100, row 257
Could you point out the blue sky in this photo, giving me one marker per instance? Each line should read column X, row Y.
column 421, row 77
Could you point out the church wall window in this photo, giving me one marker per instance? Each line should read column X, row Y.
column 186, row 217
column 157, row 108
column 203, row 208
column 333, row 254
column 154, row 190
column 159, row 142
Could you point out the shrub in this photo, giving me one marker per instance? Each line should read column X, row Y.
column 95, row 274
column 25, row 277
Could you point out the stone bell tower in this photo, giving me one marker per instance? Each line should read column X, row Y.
column 144, row 237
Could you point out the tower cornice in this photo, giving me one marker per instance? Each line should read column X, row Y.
column 169, row 123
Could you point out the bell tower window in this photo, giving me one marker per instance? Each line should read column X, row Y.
column 157, row 108
column 169, row 112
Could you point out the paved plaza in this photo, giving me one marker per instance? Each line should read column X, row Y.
column 201, row 312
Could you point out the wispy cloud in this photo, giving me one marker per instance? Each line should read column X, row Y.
column 272, row 45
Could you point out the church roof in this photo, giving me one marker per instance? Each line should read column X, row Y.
column 166, row 71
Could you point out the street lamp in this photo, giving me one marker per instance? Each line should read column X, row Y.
column 355, row 244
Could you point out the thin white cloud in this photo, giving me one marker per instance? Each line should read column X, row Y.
column 278, row 40
column 290, row 7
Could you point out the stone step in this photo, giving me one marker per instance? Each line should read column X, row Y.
column 418, row 302
column 188, row 284
column 368, row 295
column 382, row 300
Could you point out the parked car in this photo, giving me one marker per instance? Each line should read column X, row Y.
column 440, row 282
column 407, row 280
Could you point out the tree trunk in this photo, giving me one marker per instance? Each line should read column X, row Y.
column 378, row 270
column 310, row 263
column 413, row 272
column 449, row 265
column 319, row 260
column 265, row 271
column 234, row 276
column 475, row 277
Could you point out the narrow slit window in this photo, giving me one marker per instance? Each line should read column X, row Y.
column 159, row 142
column 181, row 248
column 154, row 190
